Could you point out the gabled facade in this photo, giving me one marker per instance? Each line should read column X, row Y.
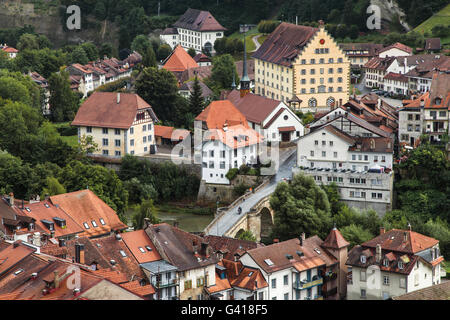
column 304, row 65
column 120, row 123
column 394, row 263
column 10, row 51
column 195, row 29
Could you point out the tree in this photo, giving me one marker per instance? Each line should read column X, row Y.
column 192, row 52
column 196, row 101
column 53, row 187
column 63, row 102
column 355, row 234
column 159, row 88
column 87, row 145
column 106, row 49
column 222, row 71
column 91, row 51
column 16, row 176
column 246, row 235
column 140, row 191
column 141, row 44
column 163, row 52
column 149, row 58
column 79, row 56
column 301, row 206
column 28, row 42
column 145, row 210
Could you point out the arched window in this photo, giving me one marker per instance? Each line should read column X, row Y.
column 321, row 89
column 331, row 102
column 312, row 102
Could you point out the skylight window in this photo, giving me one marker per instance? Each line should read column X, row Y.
column 46, row 205
column 18, row 272
column 268, row 262
column 250, row 274
column 299, row 253
column 142, row 249
column 94, row 223
column 123, row 253
column 148, row 248
column 317, row 250
column 102, row 221
column 28, row 209
column 86, row 225
column 289, row 256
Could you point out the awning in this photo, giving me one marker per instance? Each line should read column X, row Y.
column 286, row 129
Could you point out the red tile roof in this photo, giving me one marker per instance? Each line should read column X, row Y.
column 84, row 206
column 396, row 77
column 45, row 210
column 102, row 110
column 250, row 279
column 170, row 132
column 135, row 287
column 179, row 60
column 233, row 136
column 435, row 292
column 221, row 112
column 12, row 255
column 255, row 108
column 285, row 43
column 221, row 285
column 139, row 239
column 394, row 240
column 335, row 240
column 399, row 46
column 229, row 246
column 286, row 129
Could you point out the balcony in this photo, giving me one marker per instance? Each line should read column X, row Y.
column 165, row 284
column 305, row 284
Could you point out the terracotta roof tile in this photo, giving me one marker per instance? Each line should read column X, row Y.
column 250, row 279
column 135, row 287
column 255, row 108
column 221, row 112
column 179, row 60
column 102, row 110
column 436, row 292
column 135, row 240
column 221, row 285
column 335, row 240
column 399, row 46
column 230, row 245
column 84, row 206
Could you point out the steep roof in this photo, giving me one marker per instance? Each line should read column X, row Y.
column 433, row 44
column 284, row 255
column 12, row 255
column 229, row 246
column 138, row 239
column 102, row 110
column 45, row 210
column 285, row 43
column 176, row 246
column 236, row 136
column 396, row 77
column 84, row 206
column 219, row 112
column 179, row 60
column 394, row 240
column 198, row 20
column 189, row 86
column 399, row 46
column 378, row 63
column 250, row 279
column 255, row 108
column 335, row 240
column 135, row 287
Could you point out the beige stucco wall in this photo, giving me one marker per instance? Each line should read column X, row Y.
column 106, row 290
column 283, row 82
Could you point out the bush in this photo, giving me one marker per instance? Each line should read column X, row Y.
column 244, row 169
column 232, row 173
column 240, row 189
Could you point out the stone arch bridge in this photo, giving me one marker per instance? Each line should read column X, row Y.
column 259, row 220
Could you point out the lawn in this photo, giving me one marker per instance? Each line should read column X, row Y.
column 248, row 38
column 442, row 17
column 71, row 140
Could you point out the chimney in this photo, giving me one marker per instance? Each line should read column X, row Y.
column 37, row 239
column 236, row 257
column 405, row 236
column 57, row 280
column 175, row 224
column 34, row 276
column 409, row 226
column 204, row 248
column 52, row 233
column 256, row 283
column 62, row 242
column 147, row 222
column 321, row 24
column 276, row 240
column 194, row 246
column 79, row 253
column 302, row 239
column 422, row 103
column 378, row 253
column 47, row 197
column 382, row 231
column 118, row 97
column 11, row 199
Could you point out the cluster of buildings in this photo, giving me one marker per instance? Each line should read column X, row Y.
column 73, row 246
column 87, row 78
column 397, row 70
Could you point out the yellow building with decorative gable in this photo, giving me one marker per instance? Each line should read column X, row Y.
column 302, row 66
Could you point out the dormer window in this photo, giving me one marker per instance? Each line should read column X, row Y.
column 386, row 262
column 400, row 265
column 363, row 259
column 289, row 256
column 437, row 101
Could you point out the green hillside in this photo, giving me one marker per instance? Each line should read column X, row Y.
column 440, row 18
